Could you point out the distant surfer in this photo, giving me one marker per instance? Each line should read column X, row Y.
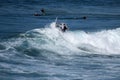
column 40, row 14
column 84, row 17
column 43, row 11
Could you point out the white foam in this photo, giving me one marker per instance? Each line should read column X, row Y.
column 103, row 42
column 71, row 42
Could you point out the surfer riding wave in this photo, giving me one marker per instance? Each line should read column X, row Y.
column 60, row 26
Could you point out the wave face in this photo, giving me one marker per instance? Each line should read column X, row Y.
column 50, row 39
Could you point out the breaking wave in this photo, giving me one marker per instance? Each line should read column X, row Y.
column 51, row 40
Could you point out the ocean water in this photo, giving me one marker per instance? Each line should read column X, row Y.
column 31, row 50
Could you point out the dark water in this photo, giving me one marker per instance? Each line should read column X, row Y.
column 31, row 50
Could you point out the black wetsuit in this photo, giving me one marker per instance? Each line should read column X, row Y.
column 64, row 28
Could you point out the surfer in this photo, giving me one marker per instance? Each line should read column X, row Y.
column 43, row 11
column 84, row 17
column 40, row 14
column 62, row 26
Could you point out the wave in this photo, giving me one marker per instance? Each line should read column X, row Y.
column 50, row 40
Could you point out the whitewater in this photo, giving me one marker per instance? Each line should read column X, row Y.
column 104, row 42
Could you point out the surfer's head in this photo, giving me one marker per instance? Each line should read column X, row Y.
column 43, row 11
column 84, row 17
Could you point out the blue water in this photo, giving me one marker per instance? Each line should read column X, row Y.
column 31, row 50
